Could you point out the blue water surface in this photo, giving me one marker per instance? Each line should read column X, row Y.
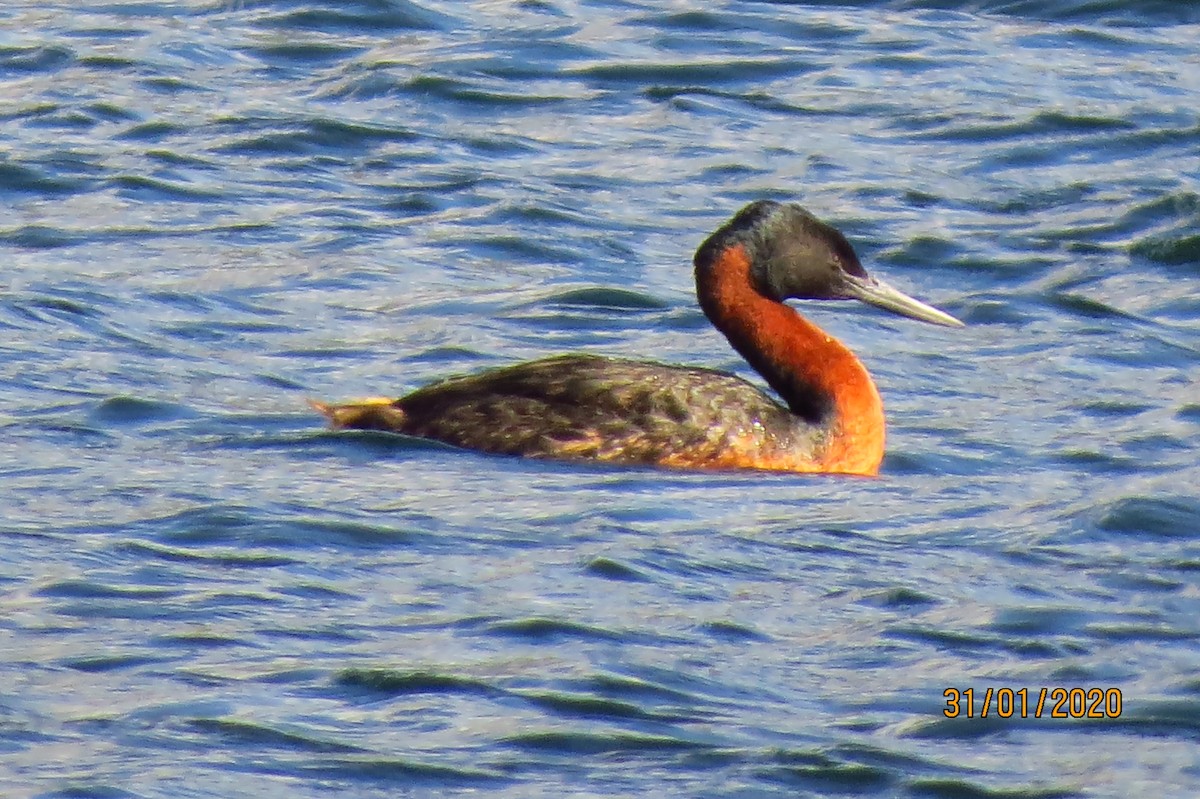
column 211, row 211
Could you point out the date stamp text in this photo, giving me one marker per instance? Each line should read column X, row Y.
column 1023, row 703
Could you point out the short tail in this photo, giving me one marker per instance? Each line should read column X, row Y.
column 378, row 413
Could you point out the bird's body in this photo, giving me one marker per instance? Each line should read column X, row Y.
column 642, row 412
column 604, row 409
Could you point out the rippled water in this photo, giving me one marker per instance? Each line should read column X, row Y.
column 212, row 211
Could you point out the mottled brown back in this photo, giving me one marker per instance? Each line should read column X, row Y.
column 583, row 406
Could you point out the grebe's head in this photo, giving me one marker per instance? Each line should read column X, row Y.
column 794, row 255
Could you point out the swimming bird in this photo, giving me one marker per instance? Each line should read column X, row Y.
column 587, row 407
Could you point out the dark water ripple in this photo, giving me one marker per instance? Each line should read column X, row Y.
column 214, row 210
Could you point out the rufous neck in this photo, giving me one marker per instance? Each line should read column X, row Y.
column 822, row 382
